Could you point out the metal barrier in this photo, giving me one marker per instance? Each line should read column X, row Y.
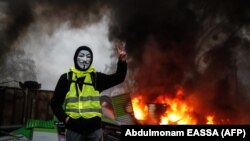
column 19, row 104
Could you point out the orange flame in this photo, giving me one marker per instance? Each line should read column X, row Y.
column 140, row 109
column 177, row 110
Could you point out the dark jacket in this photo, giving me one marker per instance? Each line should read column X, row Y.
column 103, row 82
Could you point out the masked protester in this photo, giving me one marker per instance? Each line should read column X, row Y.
column 76, row 99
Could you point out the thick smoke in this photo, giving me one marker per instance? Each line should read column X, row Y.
column 199, row 45
column 195, row 44
column 43, row 35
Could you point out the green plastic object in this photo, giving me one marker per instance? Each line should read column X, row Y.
column 36, row 123
column 24, row 131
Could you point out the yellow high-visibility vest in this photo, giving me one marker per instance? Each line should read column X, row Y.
column 82, row 103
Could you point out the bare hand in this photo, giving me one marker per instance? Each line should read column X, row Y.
column 120, row 46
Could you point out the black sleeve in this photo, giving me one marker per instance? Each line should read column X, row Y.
column 105, row 81
column 58, row 97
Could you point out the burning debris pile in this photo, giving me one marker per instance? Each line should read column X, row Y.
column 171, row 90
column 174, row 110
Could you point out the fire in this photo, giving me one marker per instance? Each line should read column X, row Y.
column 166, row 110
column 210, row 119
column 140, row 107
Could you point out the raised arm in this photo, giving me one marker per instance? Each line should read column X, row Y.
column 120, row 46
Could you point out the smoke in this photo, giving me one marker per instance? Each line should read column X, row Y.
column 47, row 34
column 200, row 45
column 53, row 54
column 197, row 45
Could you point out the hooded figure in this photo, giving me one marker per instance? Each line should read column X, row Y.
column 76, row 103
column 83, row 58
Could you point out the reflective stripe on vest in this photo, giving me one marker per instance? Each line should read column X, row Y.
column 83, row 110
column 75, row 99
column 87, row 104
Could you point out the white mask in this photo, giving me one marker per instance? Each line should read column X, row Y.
column 84, row 59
